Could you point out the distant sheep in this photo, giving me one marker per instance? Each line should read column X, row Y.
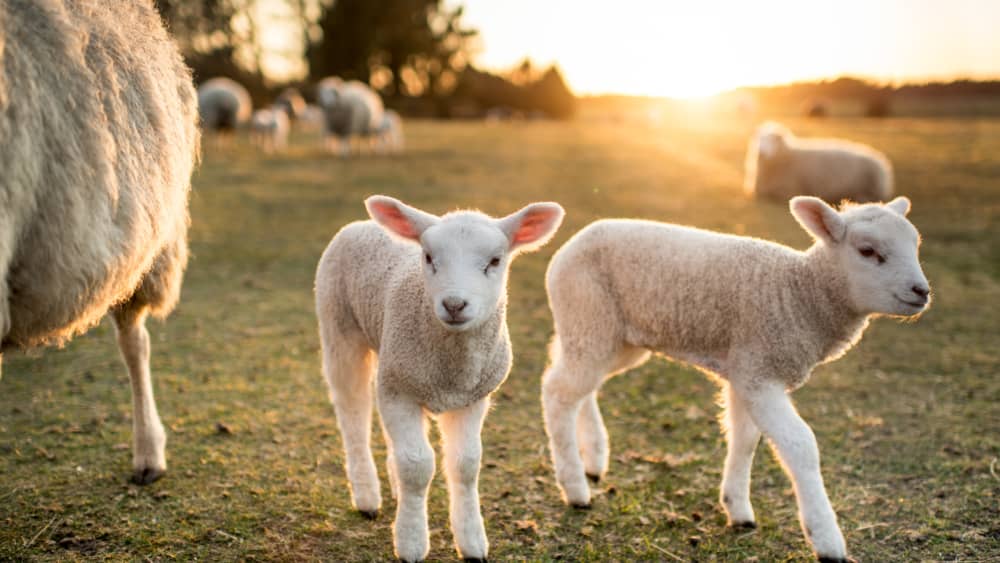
column 390, row 133
column 756, row 316
column 351, row 110
column 418, row 304
column 269, row 129
column 224, row 105
column 98, row 118
column 291, row 102
column 780, row 166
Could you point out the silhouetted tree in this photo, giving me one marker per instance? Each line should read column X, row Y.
column 411, row 47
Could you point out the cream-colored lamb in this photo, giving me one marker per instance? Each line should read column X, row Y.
column 413, row 307
column 756, row 315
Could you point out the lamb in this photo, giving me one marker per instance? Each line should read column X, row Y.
column 755, row 315
column 351, row 109
column 99, row 144
column 780, row 165
column 426, row 296
column 224, row 105
column 270, row 128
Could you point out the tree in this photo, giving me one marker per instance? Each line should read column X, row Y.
column 411, row 47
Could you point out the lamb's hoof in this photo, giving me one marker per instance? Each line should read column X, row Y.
column 369, row 514
column 825, row 559
column 474, row 559
column 747, row 525
column 147, row 475
column 409, row 560
column 581, row 505
column 594, row 478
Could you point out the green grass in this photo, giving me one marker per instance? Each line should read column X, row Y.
column 908, row 423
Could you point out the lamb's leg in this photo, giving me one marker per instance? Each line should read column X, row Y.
column 349, row 366
column 590, row 430
column 390, row 467
column 463, row 450
column 742, row 436
column 793, row 441
column 564, row 387
column 413, row 458
column 149, row 461
column 593, row 438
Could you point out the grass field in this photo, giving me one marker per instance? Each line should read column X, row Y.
column 908, row 422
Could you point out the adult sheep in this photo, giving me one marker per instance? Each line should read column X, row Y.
column 351, row 110
column 755, row 315
column 780, row 165
column 224, row 105
column 98, row 118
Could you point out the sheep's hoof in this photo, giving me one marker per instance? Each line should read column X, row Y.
column 747, row 525
column 146, row 475
column 409, row 561
column 581, row 505
column 369, row 514
column 594, row 478
column 825, row 559
column 474, row 559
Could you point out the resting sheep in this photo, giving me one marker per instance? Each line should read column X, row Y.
column 99, row 142
column 351, row 110
column 426, row 296
column 780, row 165
column 224, row 105
column 269, row 129
column 755, row 315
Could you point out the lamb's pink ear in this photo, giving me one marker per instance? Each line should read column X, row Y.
column 533, row 226
column 818, row 219
column 398, row 218
column 900, row 205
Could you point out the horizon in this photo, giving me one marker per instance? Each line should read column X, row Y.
column 928, row 42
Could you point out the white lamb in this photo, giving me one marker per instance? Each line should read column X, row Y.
column 780, row 165
column 291, row 102
column 224, row 105
column 269, row 129
column 351, row 110
column 99, row 123
column 755, row 315
column 426, row 296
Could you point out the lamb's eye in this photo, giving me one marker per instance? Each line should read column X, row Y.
column 428, row 259
column 493, row 264
column 869, row 252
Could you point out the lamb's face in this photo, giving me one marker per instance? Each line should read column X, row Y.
column 466, row 254
column 465, row 270
column 880, row 254
column 877, row 250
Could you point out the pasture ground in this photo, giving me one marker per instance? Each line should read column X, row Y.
column 908, row 423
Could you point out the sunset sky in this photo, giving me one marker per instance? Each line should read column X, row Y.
column 683, row 49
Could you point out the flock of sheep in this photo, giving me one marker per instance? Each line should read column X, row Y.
column 99, row 147
column 346, row 112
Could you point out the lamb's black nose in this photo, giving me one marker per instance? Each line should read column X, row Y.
column 454, row 305
column 921, row 290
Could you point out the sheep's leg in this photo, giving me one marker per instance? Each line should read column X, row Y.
column 593, row 438
column 413, row 458
column 564, row 387
column 348, row 366
column 742, row 436
column 591, row 433
column 149, row 461
column 463, row 451
column 793, row 441
column 390, row 468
